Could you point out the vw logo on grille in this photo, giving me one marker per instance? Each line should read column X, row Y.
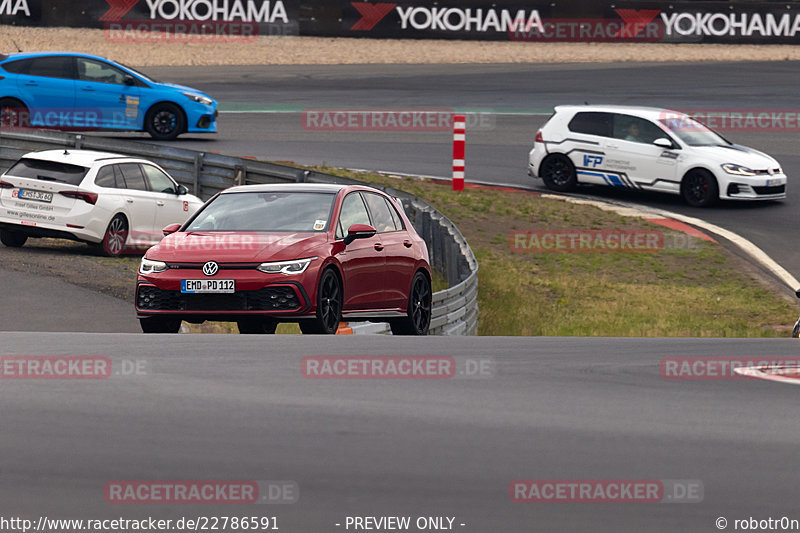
column 210, row 268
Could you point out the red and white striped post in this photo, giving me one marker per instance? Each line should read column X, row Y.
column 459, row 148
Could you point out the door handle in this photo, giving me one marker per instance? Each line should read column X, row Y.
column 613, row 146
column 31, row 84
column 129, row 200
column 160, row 203
column 407, row 243
column 87, row 89
column 378, row 246
column 122, row 98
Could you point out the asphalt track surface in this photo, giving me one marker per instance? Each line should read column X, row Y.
column 238, row 408
column 37, row 303
column 262, row 117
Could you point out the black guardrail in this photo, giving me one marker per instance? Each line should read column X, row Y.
column 682, row 21
column 455, row 310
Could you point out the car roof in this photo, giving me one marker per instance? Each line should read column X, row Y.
column 84, row 158
column 652, row 113
column 288, row 187
column 27, row 55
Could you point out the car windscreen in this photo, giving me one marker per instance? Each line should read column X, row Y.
column 145, row 77
column 266, row 211
column 692, row 132
column 48, row 171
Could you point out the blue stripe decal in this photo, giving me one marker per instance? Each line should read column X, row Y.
column 610, row 179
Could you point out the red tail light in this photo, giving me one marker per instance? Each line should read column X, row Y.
column 88, row 197
column 5, row 185
column 539, row 137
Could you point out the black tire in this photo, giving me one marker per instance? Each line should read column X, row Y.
column 12, row 239
column 419, row 309
column 329, row 306
column 257, row 326
column 165, row 121
column 699, row 188
column 558, row 173
column 159, row 324
column 13, row 114
column 113, row 243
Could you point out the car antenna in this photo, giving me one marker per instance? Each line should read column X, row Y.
column 16, row 45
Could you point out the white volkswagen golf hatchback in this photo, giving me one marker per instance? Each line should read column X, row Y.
column 116, row 202
column 650, row 149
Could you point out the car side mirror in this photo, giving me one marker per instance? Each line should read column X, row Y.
column 359, row 231
column 182, row 190
column 129, row 80
column 172, row 228
column 663, row 142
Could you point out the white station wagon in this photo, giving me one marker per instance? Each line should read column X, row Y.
column 650, row 149
column 116, row 202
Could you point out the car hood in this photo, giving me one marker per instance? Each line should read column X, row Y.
column 737, row 154
column 236, row 247
column 182, row 88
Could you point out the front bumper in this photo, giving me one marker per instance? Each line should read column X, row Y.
column 257, row 294
column 201, row 118
column 767, row 188
column 273, row 300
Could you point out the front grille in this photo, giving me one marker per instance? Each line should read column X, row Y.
column 277, row 298
column 777, row 189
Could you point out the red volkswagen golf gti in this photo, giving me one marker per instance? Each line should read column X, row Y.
column 258, row 255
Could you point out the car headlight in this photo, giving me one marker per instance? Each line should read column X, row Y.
column 152, row 267
column 286, row 267
column 200, row 99
column 737, row 170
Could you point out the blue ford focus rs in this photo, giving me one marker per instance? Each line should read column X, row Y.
column 84, row 92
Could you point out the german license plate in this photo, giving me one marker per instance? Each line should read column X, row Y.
column 200, row 286
column 36, row 196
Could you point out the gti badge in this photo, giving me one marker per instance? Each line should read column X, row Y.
column 210, row 268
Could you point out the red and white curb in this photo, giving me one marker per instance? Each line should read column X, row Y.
column 789, row 374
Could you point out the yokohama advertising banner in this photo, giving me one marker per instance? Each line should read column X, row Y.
column 260, row 17
column 678, row 22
